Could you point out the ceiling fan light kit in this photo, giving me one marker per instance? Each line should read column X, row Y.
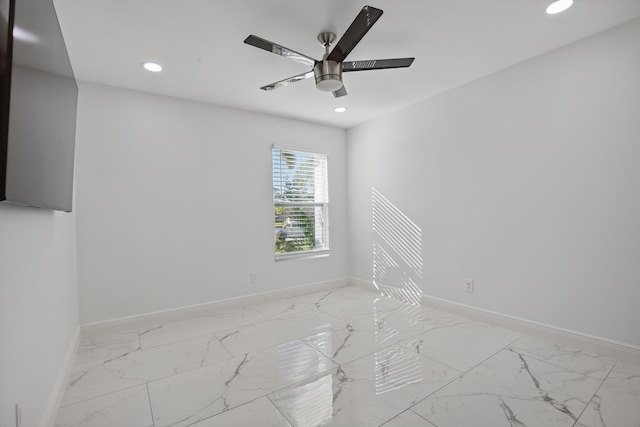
column 328, row 75
column 328, row 71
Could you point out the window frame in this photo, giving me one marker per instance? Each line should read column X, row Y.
column 321, row 223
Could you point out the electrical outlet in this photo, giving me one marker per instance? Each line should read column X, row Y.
column 19, row 414
column 468, row 285
column 254, row 277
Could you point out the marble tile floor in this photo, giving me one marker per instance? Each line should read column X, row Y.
column 345, row 357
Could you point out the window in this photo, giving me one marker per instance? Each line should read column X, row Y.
column 301, row 203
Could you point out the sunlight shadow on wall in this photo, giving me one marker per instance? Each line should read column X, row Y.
column 397, row 251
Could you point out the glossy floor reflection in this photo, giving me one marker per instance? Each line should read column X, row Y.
column 345, row 357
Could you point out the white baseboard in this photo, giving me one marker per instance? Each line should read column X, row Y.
column 53, row 405
column 362, row 284
column 148, row 319
column 565, row 337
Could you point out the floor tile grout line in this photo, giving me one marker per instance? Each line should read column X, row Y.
column 294, row 384
column 191, row 370
column 209, row 334
column 280, row 317
column 267, row 317
column 104, row 360
column 102, row 395
column 277, row 318
column 494, row 354
column 279, row 410
column 452, row 367
column 224, row 346
column 219, row 361
column 96, row 337
column 137, row 350
column 439, row 362
column 147, row 381
column 454, row 379
column 462, row 373
column 400, row 343
column 153, row 418
column 404, row 411
column 430, row 422
column 595, row 393
column 394, row 417
column 340, row 364
column 559, row 366
column 459, row 377
column 228, row 410
column 277, row 344
column 213, row 331
column 292, row 310
column 317, row 375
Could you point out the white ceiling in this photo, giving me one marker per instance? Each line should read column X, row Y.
column 200, row 44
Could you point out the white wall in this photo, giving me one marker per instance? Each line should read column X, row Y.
column 174, row 203
column 526, row 181
column 38, row 308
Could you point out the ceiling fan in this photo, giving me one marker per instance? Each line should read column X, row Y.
column 328, row 71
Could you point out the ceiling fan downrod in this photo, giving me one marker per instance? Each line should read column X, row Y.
column 328, row 73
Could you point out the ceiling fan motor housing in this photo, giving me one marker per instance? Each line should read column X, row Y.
column 328, row 75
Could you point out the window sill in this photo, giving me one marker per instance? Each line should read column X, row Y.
column 322, row 253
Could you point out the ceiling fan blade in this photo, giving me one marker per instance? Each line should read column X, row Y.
column 376, row 64
column 279, row 50
column 288, row 81
column 340, row 92
column 356, row 31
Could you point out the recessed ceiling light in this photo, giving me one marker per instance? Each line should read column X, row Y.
column 559, row 6
column 152, row 66
column 340, row 109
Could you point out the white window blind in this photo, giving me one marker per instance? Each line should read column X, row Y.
column 301, row 203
